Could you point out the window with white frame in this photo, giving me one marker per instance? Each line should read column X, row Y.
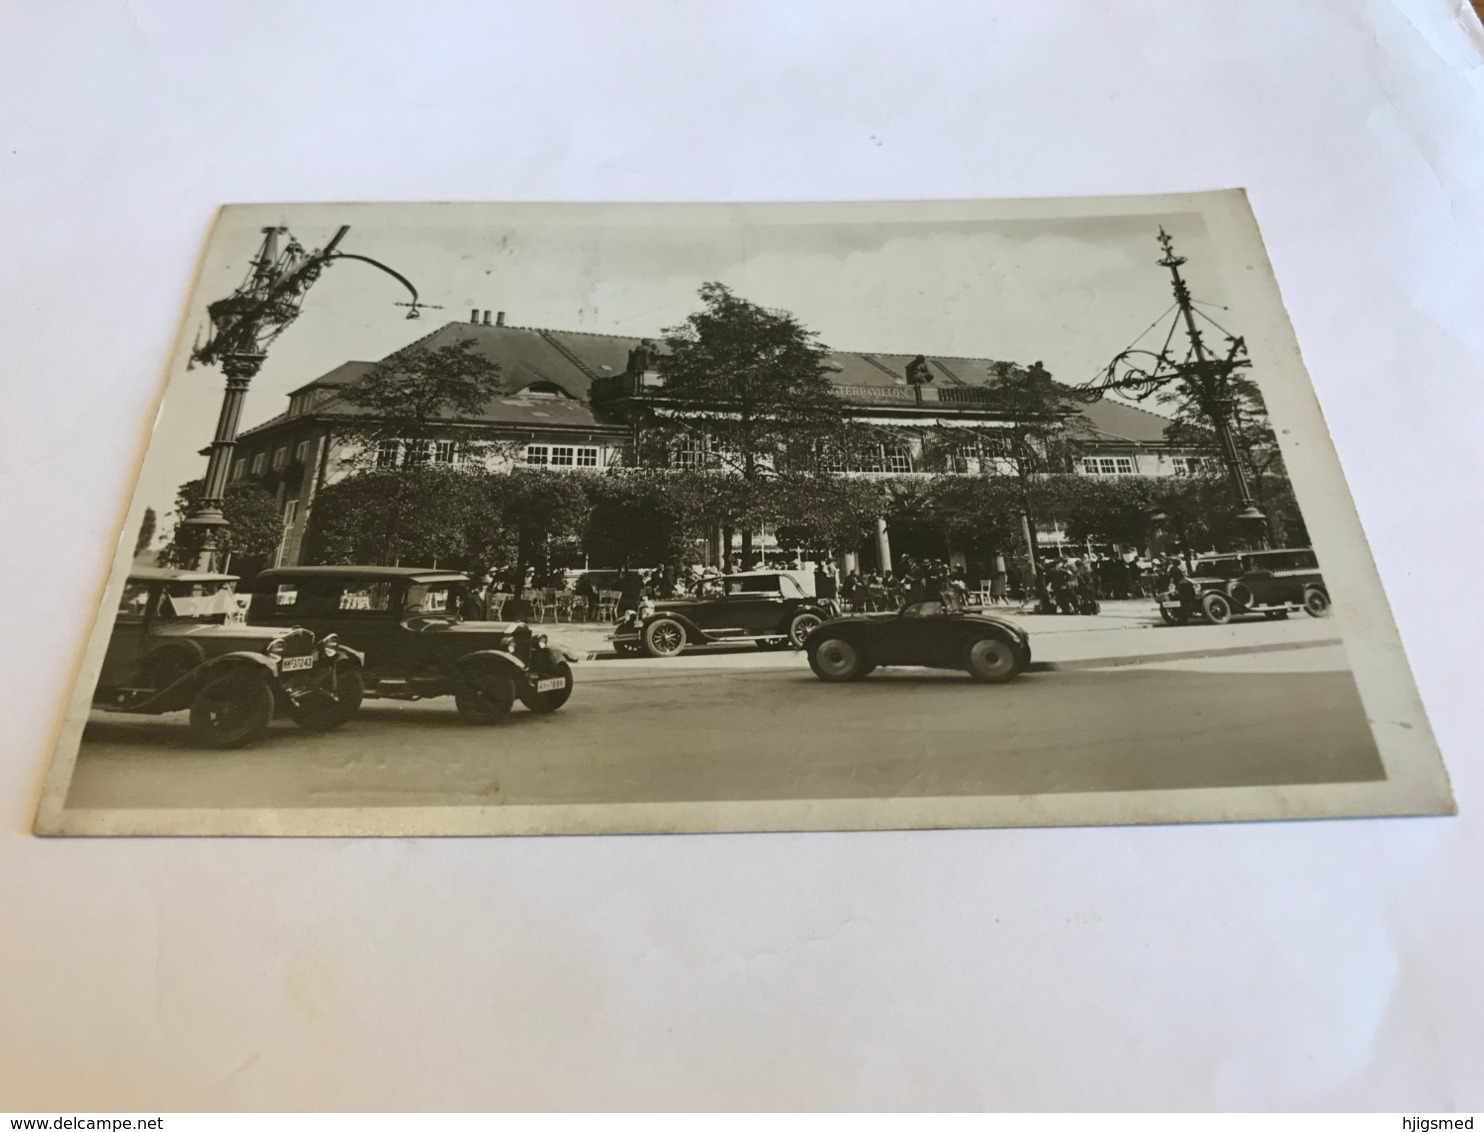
column 1194, row 465
column 561, row 455
column 896, row 458
column 388, row 453
column 445, row 451
column 280, row 456
column 259, row 463
column 415, row 453
column 1108, row 465
column 239, row 469
column 691, row 452
column 301, row 452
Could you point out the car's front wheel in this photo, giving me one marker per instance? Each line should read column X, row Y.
column 837, row 659
column 488, row 694
column 232, row 710
column 1217, row 607
column 801, row 626
column 664, row 637
column 1316, row 602
column 324, row 710
column 992, row 660
column 545, row 702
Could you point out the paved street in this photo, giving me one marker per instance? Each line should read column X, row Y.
column 1251, row 704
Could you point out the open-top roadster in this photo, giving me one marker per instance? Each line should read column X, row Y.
column 933, row 633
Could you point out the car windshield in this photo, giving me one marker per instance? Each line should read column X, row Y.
column 199, row 601
column 445, row 598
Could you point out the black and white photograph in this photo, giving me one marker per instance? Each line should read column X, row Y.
column 463, row 519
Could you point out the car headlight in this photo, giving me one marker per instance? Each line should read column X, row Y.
column 330, row 644
column 275, row 647
column 540, row 641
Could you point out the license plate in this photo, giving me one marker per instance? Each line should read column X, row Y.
column 297, row 663
column 551, row 684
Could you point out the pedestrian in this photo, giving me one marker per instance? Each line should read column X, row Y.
column 999, row 584
column 630, row 590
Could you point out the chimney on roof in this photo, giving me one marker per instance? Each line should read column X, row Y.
column 499, row 318
column 486, row 318
column 474, row 316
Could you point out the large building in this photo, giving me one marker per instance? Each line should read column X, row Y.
column 571, row 402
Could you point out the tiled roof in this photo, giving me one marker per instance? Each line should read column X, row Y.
column 570, row 359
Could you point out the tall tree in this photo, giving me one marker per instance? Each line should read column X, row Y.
column 538, row 507
column 1247, row 414
column 1041, row 424
column 753, row 384
column 146, row 532
column 413, row 397
column 433, row 516
column 255, row 525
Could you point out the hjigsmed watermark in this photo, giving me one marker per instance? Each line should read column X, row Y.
column 1436, row 1123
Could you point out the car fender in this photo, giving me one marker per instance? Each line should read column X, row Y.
column 559, row 653
column 345, row 652
column 180, row 693
column 513, row 663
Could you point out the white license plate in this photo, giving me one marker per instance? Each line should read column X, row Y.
column 296, row 663
column 551, row 684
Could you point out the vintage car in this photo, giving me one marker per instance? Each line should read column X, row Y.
column 180, row 643
column 1270, row 583
column 410, row 624
column 765, row 606
column 929, row 633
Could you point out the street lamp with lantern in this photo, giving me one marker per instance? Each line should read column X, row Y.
column 1208, row 378
column 243, row 324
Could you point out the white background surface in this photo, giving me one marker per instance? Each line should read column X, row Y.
column 1325, row 965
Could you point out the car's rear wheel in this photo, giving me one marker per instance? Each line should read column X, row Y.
column 544, row 702
column 837, row 659
column 232, row 710
column 1316, row 602
column 325, row 711
column 801, row 626
column 1217, row 608
column 664, row 637
column 992, row 660
column 487, row 696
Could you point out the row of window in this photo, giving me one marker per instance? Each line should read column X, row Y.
column 260, row 462
column 561, row 456
column 415, row 453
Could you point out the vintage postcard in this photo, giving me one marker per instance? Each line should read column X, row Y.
column 499, row 519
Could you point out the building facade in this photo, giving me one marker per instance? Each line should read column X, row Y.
column 572, row 401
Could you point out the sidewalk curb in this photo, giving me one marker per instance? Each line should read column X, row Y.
column 696, row 662
column 1190, row 654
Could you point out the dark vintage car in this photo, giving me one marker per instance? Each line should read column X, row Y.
column 410, row 624
column 1270, row 583
column 181, row 643
column 765, row 606
column 933, row 633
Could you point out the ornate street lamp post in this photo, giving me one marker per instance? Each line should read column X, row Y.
column 1207, row 377
column 242, row 326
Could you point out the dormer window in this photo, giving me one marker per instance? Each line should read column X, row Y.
column 543, row 389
